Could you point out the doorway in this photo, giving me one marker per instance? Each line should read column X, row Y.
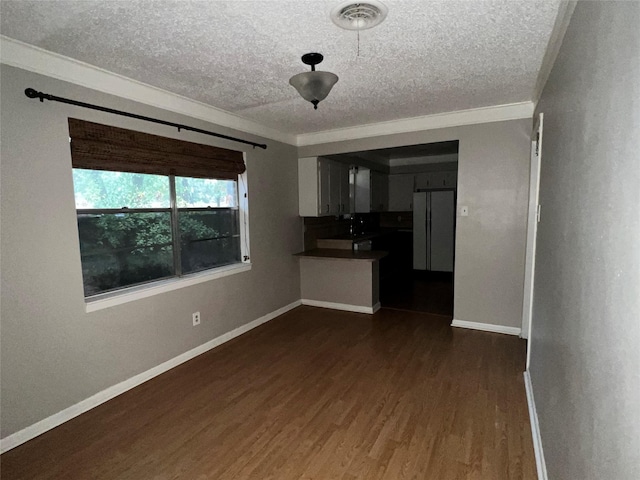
column 415, row 220
column 428, row 288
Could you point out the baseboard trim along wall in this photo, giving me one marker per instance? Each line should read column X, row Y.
column 342, row 306
column 486, row 327
column 99, row 398
column 535, row 429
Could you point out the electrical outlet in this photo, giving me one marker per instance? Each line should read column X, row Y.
column 196, row 318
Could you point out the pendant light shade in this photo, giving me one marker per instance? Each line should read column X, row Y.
column 313, row 86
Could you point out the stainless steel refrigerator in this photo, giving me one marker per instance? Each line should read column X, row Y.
column 434, row 230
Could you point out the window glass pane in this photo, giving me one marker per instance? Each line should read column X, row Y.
column 124, row 249
column 104, row 189
column 206, row 192
column 208, row 239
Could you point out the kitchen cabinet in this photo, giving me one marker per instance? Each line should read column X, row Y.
column 334, row 187
column 451, row 179
column 322, row 187
column 397, row 266
column 340, row 195
column 423, row 180
column 437, row 180
column 401, row 187
column 362, row 191
column 371, row 191
column 379, row 192
column 433, row 180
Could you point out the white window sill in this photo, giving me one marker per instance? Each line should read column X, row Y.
column 131, row 294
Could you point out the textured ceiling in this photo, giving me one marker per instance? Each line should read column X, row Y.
column 427, row 57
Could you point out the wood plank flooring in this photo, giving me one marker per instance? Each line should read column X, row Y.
column 313, row 394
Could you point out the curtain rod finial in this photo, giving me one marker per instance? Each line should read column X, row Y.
column 31, row 93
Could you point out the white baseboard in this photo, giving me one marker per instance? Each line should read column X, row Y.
column 486, row 327
column 99, row 398
column 342, row 306
column 535, row 429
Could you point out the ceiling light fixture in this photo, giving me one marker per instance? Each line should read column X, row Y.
column 313, row 86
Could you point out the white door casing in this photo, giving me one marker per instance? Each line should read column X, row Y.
column 533, row 217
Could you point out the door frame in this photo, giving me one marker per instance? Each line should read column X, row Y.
column 533, row 218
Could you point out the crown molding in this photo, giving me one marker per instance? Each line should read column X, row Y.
column 34, row 59
column 497, row 113
column 37, row 60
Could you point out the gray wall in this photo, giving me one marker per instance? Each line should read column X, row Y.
column 493, row 169
column 586, row 312
column 53, row 353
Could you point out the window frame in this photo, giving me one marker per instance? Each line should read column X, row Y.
column 178, row 280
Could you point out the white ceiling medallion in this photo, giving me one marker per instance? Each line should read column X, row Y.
column 352, row 15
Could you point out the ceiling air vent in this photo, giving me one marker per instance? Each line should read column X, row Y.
column 359, row 16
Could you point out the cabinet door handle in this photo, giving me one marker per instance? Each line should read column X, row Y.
column 327, row 208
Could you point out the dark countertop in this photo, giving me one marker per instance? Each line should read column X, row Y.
column 338, row 254
column 369, row 235
column 358, row 237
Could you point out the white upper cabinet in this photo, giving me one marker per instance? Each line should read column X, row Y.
column 434, row 180
column 344, row 188
column 335, row 175
column 363, row 190
column 401, row 187
column 322, row 187
column 371, row 191
column 379, row 192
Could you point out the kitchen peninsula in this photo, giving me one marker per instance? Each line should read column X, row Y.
column 344, row 242
column 346, row 261
column 342, row 279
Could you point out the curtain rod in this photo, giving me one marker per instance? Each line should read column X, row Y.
column 31, row 93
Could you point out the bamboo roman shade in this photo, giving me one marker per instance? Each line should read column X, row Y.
column 102, row 147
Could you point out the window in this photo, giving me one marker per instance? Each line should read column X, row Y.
column 135, row 228
column 152, row 208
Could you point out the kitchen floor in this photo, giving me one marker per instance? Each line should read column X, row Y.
column 419, row 291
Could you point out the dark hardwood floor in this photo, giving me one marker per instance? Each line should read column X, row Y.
column 417, row 291
column 313, row 394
